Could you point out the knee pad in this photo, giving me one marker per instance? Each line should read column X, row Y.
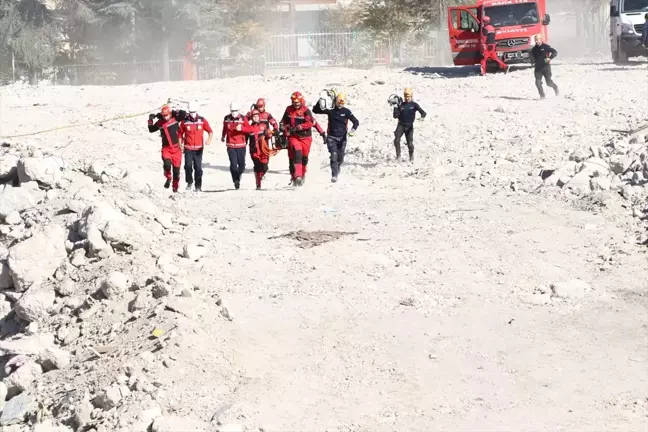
column 176, row 172
column 264, row 168
column 305, row 160
column 299, row 156
column 166, row 163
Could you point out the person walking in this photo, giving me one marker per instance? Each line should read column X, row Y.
column 192, row 131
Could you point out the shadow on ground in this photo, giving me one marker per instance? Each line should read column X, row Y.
column 247, row 168
column 444, row 71
column 513, row 98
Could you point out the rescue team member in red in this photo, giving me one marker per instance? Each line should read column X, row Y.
column 235, row 139
column 488, row 46
column 258, row 135
column 192, row 132
column 264, row 115
column 296, row 123
column 169, row 126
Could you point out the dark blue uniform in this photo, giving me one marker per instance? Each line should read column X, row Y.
column 338, row 123
column 406, row 115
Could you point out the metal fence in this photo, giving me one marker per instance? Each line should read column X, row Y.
column 347, row 49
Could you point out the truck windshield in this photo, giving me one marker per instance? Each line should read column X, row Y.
column 635, row 5
column 515, row 14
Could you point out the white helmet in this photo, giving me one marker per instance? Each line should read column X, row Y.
column 193, row 107
column 235, row 107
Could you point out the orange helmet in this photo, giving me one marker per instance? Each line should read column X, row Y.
column 297, row 97
column 486, row 19
column 260, row 103
column 166, row 110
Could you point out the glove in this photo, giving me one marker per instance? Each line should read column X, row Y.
column 352, row 133
column 323, row 135
column 547, row 60
column 421, row 118
column 152, row 116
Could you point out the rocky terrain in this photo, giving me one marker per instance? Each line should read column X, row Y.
column 497, row 283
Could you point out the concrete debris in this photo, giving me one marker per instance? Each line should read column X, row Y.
column 17, row 199
column 45, row 171
column 114, row 284
column 22, row 378
column 50, row 426
column 37, row 258
column 17, row 409
column 108, row 398
column 36, row 303
column 54, row 358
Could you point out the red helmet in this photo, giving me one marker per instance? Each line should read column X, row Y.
column 297, row 97
column 260, row 103
column 255, row 112
column 486, row 19
column 166, row 110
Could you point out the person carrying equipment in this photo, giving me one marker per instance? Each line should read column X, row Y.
column 488, row 47
column 541, row 55
column 192, row 131
column 235, row 140
column 296, row 123
column 336, row 141
column 258, row 136
column 406, row 115
column 168, row 124
column 264, row 115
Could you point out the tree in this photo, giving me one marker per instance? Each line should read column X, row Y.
column 29, row 31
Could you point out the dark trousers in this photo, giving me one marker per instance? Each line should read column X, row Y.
column 193, row 162
column 545, row 72
column 408, row 131
column 237, row 162
column 337, row 148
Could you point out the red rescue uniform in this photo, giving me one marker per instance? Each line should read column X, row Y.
column 259, row 148
column 192, row 132
column 488, row 48
column 171, row 138
column 296, row 124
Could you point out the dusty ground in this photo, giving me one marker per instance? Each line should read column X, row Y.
column 422, row 320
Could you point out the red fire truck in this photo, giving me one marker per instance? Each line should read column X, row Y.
column 515, row 22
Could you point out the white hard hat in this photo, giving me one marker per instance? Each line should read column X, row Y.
column 235, row 106
column 193, row 106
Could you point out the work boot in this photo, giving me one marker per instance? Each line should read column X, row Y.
column 299, row 181
column 237, row 185
column 556, row 91
column 189, row 186
column 167, row 184
column 334, row 179
column 411, row 157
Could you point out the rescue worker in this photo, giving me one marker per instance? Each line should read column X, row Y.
column 488, row 47
column 297, row 123
column 264, row 115
column 337, row 130
column 168, row 124
column 235, row 140
column 192, row 131
column 406, row 115
column 541, row 56
column 259, row 133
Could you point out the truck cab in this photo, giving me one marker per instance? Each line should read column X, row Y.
column 515, row 22
column 627, row 19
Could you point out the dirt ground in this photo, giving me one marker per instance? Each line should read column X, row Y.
column 422, row 315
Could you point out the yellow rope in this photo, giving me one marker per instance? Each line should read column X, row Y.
column 127, row 116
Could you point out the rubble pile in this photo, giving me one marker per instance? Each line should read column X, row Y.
column 90, row 306
column 620, row 167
